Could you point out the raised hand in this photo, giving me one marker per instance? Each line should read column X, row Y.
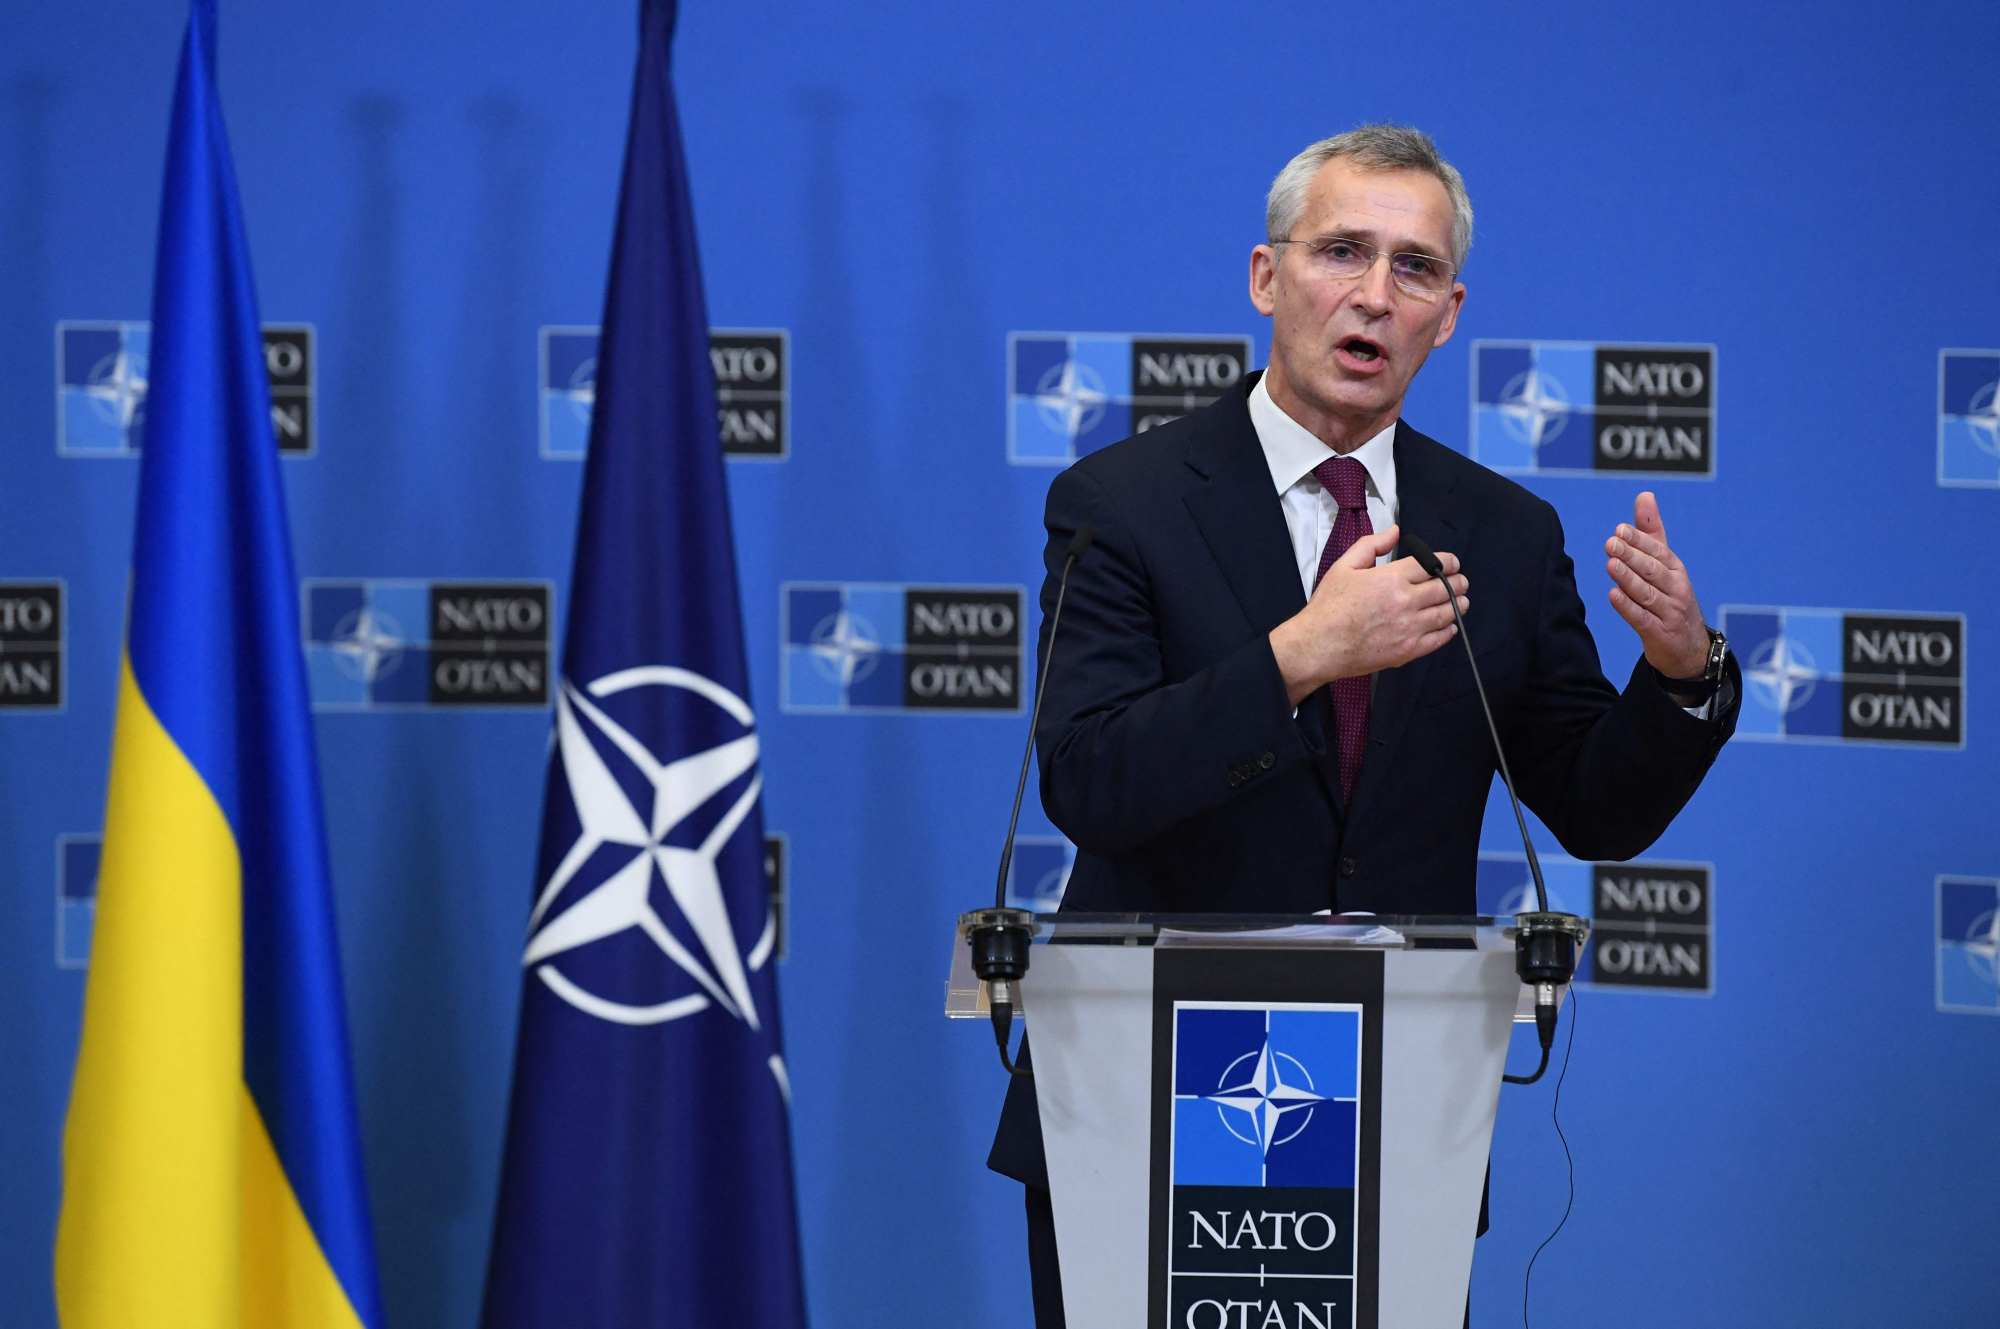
column 1364, row 618
column 1651, row 591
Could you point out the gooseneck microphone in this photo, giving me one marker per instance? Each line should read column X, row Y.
column 999, row 936
column 1544, row 942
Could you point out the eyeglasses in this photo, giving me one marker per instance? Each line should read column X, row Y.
column 1335, row 256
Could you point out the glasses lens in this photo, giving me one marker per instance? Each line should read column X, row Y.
column 1343, row 258
column 1421, row 274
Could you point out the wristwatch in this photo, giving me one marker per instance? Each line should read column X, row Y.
column 1702, row 687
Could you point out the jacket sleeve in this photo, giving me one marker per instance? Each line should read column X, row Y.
column 1127, row 751
column 1606, row 772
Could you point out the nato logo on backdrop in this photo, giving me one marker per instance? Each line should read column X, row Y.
column 101, row 376
column 1071, row 393
column 1849, row 675
column 31, row 645
column 76, row 897
column 886, row 646
column 1588, row 408
column 1652, row 924
column 1969, row 419
column 396, row 643
column 1038, row 873
column 1264, row 1163
column 752, row 390
column 1968, row 945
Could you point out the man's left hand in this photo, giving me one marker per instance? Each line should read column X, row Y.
column 1650, row 590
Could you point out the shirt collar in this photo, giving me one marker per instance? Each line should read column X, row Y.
column 1291, row 450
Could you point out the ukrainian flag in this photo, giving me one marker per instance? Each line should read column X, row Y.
column 211, row 1170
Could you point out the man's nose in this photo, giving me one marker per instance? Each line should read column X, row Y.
column 1375, row 289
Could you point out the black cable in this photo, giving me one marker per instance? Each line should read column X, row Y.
column 1569, row 1160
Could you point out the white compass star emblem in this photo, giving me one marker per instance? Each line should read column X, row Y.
column 1782, row 674
column 626, row 900
column 1255, row 1093
column 845, row 647
column 582, row 389
column 368, row 644
column 117, row 387
column 1982, row 945
column 1071, row 398
column 1534, row 406
column 1984, row 418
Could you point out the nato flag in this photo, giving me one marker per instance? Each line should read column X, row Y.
column 648, row 1175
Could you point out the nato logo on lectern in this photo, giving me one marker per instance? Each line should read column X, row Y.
column 31, row 645
column 1969, row 419
column 1849, row 675
column 752, row 390
column 1968, row 945
column 395, row 643
column 851, row 647
column 1586, row 408
column 1652, row 924
column 1071, row 393
column 101, row 379
column 1264, row 1164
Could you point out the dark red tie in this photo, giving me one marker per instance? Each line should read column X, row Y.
column 1347, row 480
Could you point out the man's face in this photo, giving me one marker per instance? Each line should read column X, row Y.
column 1343, row 351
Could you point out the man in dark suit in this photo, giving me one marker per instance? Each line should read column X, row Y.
column 1249, row 709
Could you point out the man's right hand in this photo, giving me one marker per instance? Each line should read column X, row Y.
column 1363, row 618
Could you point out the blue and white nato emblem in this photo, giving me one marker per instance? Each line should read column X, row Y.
column 1969, row 419
column 1071, row 393
column 633, row 925
column 32, row 645
column 851, row 647
column 102, row 371
column 752, row 390
column 1849, row 675
column 1652, row 923
column 1968, row 945
column 1264, row 1162
column 1585, row 408
column 394, row 643
column 76, row 897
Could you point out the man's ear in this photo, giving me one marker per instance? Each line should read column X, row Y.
column 1450, row 324
column 1264, row 279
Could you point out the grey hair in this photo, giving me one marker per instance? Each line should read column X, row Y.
column 1372, row 148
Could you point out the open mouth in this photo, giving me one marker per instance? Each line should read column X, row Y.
column 1367, row 352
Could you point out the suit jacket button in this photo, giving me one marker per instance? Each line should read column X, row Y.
column 1347, row 867
column 1268, row 760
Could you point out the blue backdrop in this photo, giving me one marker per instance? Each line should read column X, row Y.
column 1799, row 1132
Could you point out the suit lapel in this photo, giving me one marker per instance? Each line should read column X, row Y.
column 1425, row 506
column 1240, row 518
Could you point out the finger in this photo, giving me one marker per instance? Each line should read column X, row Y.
column 1646, row 515
column 1650, row 544
column 1438, row 616
column 1641, row 562
column 1641, row 622
column 1636, row 588
column 1430, row 641
column 1366, row 549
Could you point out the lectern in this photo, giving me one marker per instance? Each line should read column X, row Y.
column 1255, row 1121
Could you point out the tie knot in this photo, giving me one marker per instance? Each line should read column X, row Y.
column 1346, row 479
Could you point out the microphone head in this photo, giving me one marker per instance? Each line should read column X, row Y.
column 1079, row 542
column 1414, row 546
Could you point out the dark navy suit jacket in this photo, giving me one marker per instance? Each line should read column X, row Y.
column 1169, row 752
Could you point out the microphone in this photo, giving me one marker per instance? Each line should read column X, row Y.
column 1544, row 943
column 999, row 936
